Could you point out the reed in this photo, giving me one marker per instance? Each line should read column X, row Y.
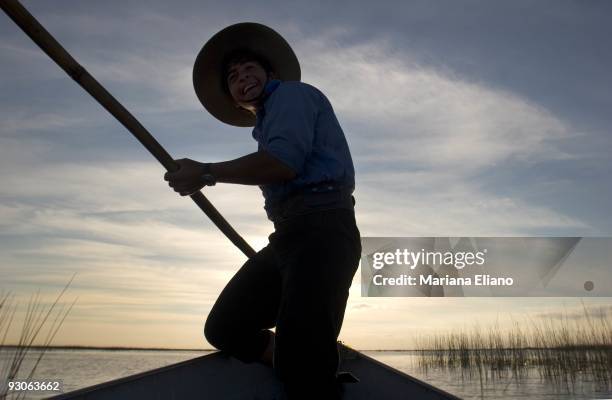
column 562, row 350
column 39, row 328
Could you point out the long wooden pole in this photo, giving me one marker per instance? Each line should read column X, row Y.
column 53, row 49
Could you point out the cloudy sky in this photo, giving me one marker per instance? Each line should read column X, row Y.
column 469, row 118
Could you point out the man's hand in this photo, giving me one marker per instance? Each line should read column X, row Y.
column 188, row 178
column 259, row 168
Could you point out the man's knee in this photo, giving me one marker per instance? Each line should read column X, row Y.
column 214, row 332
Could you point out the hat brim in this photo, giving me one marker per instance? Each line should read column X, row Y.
column 208, row 68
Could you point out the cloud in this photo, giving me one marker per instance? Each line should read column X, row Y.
column 400, row 111
column 578, row 314
column 165, row 79
column 447, row 130
column 25, row 122
column 441, row 203
column 360, row 306
column 109, row 219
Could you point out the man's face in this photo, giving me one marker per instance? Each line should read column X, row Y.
column 246, row 81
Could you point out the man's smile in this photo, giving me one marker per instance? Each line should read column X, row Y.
column 246, row 82
column 249, row 87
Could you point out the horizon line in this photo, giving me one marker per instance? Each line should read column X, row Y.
column 77, row 347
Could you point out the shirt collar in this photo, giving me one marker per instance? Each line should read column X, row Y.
column 271, row 86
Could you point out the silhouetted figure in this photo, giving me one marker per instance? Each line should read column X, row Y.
column 248, row 75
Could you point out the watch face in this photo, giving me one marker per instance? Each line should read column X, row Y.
column 208, row 179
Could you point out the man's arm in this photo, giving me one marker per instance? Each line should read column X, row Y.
column 257, row 168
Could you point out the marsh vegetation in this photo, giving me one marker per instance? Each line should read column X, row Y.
column 563, row 350
column 39, row 327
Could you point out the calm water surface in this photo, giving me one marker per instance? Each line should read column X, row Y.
column 81, row 368
column 530, row 387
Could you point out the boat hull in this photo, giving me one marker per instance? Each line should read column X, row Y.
column 219, row 376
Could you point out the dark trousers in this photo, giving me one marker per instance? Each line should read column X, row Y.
column 299, row 283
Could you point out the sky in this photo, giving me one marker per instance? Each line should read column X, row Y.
column 471, row 118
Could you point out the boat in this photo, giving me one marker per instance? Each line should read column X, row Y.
column 218, row 376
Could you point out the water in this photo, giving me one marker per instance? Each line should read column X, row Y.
column 82, row 368
column 531, row 386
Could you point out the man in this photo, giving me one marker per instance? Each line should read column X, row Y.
column 247, row 75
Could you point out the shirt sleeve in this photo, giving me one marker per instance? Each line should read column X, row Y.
column 289, row 125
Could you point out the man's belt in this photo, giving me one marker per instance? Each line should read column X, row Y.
column 312, row 199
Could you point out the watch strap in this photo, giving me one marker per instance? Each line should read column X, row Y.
column 206, row 177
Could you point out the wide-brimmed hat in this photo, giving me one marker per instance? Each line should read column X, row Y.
column 208, row 68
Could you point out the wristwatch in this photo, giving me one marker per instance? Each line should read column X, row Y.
column 206, row 177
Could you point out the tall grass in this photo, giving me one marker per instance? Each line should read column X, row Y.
column 37, row 319
column 561, row 350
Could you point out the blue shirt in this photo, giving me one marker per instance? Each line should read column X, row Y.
column 298, row 126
